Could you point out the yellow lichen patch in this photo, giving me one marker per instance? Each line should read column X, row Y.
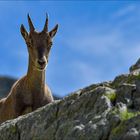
column 125, row 115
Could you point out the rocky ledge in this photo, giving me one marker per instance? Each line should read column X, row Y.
column 104, row 111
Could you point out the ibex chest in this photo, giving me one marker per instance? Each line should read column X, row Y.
column 34, row 97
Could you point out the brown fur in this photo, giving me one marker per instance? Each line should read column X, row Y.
column 30, row 92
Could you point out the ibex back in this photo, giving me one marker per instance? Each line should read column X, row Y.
column 30, row 92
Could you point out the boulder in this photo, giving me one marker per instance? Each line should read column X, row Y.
column 103, row 111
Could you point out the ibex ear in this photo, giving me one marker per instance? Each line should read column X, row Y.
column 53, row 31
column 24, row 32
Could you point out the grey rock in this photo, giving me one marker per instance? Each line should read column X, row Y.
column 125, row 94
column 132, row 134
column 138, row 86
column 103, row 111
column 126, row 130
column 135, row 67
column 119, row 80
column 74, row 117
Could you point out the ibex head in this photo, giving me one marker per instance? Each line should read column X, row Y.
column 38, row 43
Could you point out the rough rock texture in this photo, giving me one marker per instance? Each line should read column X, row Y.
column 105, row 111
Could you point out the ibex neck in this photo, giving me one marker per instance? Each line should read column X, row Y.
column 35, row 77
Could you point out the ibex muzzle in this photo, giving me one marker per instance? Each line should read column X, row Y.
column 39, row 43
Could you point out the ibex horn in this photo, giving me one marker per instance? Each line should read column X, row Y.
column 31, row 26
column 46, row 24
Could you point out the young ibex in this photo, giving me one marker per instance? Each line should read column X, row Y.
column 30, row 92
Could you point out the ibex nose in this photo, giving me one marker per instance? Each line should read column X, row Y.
column 41, row 62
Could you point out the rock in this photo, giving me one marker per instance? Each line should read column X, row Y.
column 125, row 94
column 135, row 69
column 132, row 134
column 126, row 130
column 78, row 116
column 103, row 111
column 119, row 80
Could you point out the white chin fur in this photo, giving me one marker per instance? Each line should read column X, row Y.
column 39, row 69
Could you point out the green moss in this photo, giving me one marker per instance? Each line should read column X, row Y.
column 119, row 129
column 132, row 78
column 124, row 116
column 111, row 96
column 138, row 77
column 13, row 129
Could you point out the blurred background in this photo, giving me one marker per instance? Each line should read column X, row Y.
column 96, row 41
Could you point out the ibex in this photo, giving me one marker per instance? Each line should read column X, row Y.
column 30, row 92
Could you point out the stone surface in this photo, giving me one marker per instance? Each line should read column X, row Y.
column 135, row 68
column 103, row 111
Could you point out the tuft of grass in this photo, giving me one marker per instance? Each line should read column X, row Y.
column 119, row 129
column 132, row 78
column 111, row 96
column 125, row 115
